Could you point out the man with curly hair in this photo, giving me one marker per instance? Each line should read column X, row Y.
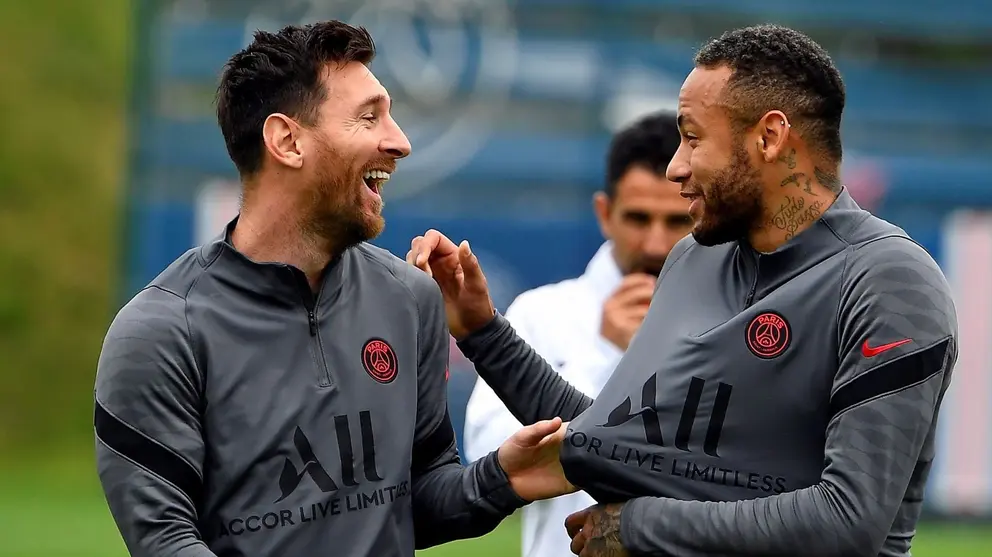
column 781, row 396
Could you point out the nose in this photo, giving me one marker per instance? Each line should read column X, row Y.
column 678, row 170
column 395, row 143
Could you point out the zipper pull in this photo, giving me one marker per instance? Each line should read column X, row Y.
column 754, row 283
column 313, row 323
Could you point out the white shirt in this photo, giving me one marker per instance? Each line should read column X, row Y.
column 561, row 322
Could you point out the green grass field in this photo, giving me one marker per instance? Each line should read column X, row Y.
column 57, row 510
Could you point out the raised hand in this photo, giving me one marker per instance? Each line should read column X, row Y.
column 626, row 308
column 457, row 272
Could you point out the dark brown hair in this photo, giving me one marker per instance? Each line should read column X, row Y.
column 281, row 72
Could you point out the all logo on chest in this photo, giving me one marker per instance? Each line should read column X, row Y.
column 684, row 439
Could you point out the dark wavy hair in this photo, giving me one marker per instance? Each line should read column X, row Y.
column 281, row 72
column 650, row 142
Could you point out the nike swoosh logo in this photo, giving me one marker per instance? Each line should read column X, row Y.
column 871, row 351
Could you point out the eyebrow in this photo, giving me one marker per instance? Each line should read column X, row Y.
column 376, row 99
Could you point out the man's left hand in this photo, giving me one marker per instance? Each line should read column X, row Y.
column 595, row 532
column 530, row 460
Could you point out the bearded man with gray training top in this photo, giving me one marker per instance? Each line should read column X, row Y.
column 781, row 396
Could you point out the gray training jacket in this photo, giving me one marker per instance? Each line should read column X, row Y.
column 770, row 404
column 238, row 414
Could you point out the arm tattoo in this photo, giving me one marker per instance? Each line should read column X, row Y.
column 603, row 538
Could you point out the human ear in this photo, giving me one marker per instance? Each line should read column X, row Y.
column 281, row 136
column 773, row 132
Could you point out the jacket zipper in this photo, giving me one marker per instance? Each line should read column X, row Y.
column 754, row 283
column 310, row 305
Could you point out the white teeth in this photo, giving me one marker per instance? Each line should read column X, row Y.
column 376, row 175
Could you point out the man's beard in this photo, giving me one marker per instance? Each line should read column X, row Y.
column 732, row 204
column 336, row 215
column 650, row 267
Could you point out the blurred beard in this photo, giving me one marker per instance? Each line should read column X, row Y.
column 335, row 203
column 731, row 204
column 652, row 267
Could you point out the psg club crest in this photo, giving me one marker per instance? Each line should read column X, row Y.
column 379, row 360
column 768, row 335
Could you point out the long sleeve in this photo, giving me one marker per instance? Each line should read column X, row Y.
column 487, row 421
column 897, row 333
column 450, row 501
column 528, row 386
column 149, row 444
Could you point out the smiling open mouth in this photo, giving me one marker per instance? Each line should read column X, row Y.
column 375, row 179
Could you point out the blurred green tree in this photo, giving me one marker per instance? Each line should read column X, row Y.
column 62, row 154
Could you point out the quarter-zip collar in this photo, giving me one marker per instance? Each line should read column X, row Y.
column 823, row 239
column 274, row 282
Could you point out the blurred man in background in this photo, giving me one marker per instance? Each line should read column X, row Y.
column 584, row 325
column 281, row 390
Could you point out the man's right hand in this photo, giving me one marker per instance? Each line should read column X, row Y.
column 624, row 311
column 457, row 272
